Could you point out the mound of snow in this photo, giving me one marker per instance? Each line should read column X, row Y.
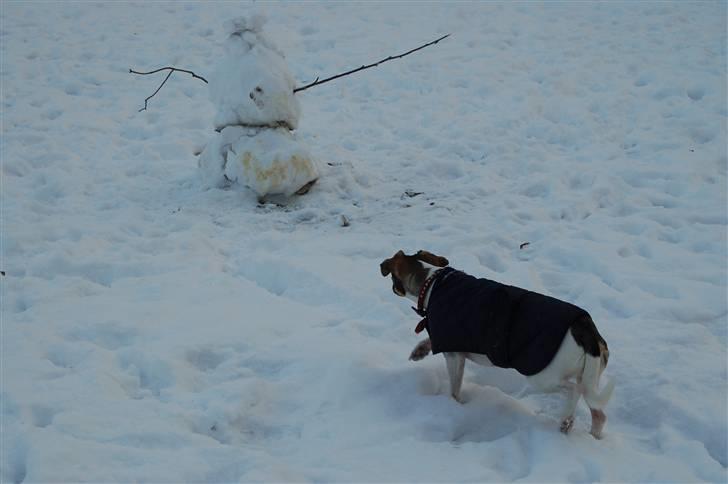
column 269, row 161
column 251, row 84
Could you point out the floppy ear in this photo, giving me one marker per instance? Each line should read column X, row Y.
column 432, row 259
column 385, row 267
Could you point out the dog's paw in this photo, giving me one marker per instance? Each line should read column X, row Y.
column 422, row 349
column 417, row 355
column 598, row 421
column 567, row 424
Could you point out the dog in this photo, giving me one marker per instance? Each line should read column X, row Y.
column 554, row 343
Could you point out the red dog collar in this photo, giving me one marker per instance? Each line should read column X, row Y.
column 421, row 300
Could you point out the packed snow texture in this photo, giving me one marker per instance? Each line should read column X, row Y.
column 154, row 330
column 270, row 161
column 252, row 84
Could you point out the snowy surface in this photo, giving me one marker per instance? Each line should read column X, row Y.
column 154, row 330
column 252, row 85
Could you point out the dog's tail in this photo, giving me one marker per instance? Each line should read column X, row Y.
column 593, row 368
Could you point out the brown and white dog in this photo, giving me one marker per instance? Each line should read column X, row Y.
column 574, row 364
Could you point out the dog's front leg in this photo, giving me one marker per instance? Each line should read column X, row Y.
column 455, row 367
column 422, row 349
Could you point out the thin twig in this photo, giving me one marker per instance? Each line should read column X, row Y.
column 155, row 92
column 318, row 82
column 171, row 70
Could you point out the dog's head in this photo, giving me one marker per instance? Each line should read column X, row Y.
column 402, row 267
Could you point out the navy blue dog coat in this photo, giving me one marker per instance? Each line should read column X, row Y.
column 513, row 327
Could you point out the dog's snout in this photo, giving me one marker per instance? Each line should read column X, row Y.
column 398, row 287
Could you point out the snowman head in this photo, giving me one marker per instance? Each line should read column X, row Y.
column 252, row 84
column 247, row 32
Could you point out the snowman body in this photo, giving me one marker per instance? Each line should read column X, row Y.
column 256, row 113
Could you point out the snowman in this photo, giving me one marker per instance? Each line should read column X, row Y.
column 257, row 113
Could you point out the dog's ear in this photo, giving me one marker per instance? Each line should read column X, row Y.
column 386, row 267
column 432, row 259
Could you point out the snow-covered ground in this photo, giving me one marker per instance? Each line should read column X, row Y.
column 154, row 330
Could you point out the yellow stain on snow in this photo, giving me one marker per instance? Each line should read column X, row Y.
column 278, row 171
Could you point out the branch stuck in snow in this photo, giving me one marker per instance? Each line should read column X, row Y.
column 171, row 70
column 318, row 82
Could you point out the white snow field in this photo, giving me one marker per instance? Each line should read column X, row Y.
column 154, row 330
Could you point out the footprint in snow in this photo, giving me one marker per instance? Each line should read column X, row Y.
column 696, row 93
column 110, row 335
column 150, row 375
column 206, row 358
column 15, row 462
column 43, row 415
column 66, row 356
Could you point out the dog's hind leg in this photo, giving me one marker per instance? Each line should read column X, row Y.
column 596, row 354
column 573, row 391
column 599, row 418
column 455, row 367
column 594, row 398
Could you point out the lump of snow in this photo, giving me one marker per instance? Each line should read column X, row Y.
column 269, row 161
column 252, row 85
